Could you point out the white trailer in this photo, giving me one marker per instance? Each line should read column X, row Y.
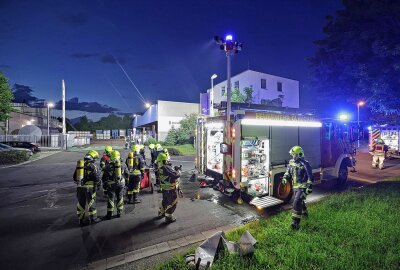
column 253, row 163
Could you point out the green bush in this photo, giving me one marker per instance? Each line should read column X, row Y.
column 151, row 141
column 13, row 157
column 174, row 152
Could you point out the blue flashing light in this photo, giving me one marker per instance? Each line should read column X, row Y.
column 369, row 128
column 343, row 117
column 228, row 38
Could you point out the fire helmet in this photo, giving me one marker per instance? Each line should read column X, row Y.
column 296, row 152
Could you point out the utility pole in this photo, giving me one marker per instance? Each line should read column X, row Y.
column 63, row 108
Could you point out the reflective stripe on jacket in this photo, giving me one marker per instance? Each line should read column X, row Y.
column 300, row 172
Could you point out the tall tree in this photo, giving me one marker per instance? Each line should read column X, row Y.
column 6, row 98
column 360, row 56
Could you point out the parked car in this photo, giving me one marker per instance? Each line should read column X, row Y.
column 34, row 147
column 7, row 148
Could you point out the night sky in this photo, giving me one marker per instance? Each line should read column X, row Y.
column 165, row 46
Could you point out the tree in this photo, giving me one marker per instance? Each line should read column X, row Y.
column 360, row 56
column 187, row 128
column 237, row 96
column 172, row 137
column 6, row 98
column 249, row 94
column 185, row 133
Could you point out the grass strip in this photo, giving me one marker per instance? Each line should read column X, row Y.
column 356, row 229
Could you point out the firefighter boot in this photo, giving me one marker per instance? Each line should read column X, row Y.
column 81, row 222
column 295, row 224
column 135, row 198
column 170, row 219
column 94, row 220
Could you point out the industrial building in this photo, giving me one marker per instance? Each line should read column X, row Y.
column 160, row 117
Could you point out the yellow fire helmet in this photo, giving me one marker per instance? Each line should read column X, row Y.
column 136, row 148
column 115, row 155
column 151, row 146
column 93, row 154
column 296, row 152
column 108, row 149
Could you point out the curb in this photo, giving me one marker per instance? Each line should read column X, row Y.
column 32, row 160
column 156, row 249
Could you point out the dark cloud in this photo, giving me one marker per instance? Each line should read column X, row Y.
column 75, row 20
column 149, row 67
column 81, row 55
column 74, row 104
column 109, row 59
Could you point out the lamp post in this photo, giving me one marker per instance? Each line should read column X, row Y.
column 212, row 95
column 360, row 103
column 49, row 105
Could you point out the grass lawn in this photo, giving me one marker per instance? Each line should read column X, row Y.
column 185, row 149
column 356, row 229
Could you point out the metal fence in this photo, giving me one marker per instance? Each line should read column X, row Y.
column 58, row 141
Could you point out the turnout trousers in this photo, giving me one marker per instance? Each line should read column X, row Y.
column 299, row 205
column 86, row 198
column 133, row 186
column 115, row 196
column 377, row 160
column 169, row 202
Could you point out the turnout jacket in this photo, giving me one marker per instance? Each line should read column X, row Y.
column 91, row 175
column 168, row 178
column 138, row 166
column 110, row 179
column 300, row 172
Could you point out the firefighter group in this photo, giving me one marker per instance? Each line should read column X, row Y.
column 121, row 181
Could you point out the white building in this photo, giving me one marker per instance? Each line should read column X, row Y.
column 267, row 89
column 162, row 116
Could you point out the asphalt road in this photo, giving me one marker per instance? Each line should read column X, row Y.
column 39, row 224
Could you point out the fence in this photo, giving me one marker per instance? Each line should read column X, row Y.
column 58, row 141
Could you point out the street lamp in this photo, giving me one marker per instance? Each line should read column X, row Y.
column 360, row 103
column 147, row 105
column 230, row 47
column 49, row 105
column 212, row 94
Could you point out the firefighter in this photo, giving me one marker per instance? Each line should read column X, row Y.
column 169, row 185
column 87, row 178
column 106, row 157
column 152, row 153
column 378, row 152
column 158, row 164
column 142, row 153
column 114, row 183
column 135, row 171
column 300, row 173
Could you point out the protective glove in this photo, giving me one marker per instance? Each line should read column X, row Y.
column 308, row 190
column 284, row 181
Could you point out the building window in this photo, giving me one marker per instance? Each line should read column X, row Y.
column 263, row 84
column 236, row 85
column 279, row 87
column 264, row 101
column 223, row 91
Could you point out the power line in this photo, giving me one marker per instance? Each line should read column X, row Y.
column 129, row 78
column 119, row 93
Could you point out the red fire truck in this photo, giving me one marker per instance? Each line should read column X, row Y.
column 252, row 164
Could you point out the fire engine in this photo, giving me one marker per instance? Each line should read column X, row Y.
column 251, row 165
column 390, row 135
